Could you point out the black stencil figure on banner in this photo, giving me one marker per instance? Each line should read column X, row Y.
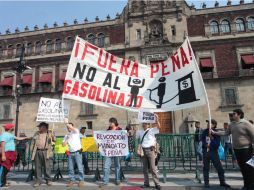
column 161, row 91
column 186, row 91
column 137, row 84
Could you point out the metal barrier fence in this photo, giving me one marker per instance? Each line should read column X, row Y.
column 178, row 153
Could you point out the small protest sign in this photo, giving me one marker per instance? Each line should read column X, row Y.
column 146, row 117
column 112, row 143
column 88, row 145
column 52, row 110
column 59, row 149
column 251, row 162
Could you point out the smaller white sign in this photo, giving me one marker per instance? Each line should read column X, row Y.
column 146, row 117
column 51, row 110
column 251, row 162
column 112, row 143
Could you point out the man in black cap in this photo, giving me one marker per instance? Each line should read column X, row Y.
column 210, row 145
column 42, row 151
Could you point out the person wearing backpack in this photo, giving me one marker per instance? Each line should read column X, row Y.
column 148, row 143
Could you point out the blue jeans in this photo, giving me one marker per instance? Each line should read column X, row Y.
column 198, row 150
column 229, row 149
column 107, row 165
column 75, row 157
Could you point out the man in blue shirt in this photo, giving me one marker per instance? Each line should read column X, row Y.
column 210, row 145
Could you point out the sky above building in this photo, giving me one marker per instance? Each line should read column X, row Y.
column 29, row 13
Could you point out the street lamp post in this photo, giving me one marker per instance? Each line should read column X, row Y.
column 18, row 88
column 21, row 67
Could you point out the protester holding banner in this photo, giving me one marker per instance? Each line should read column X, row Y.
column 148, row 143
column 210, row 145
column 8, row 154
column 113, row 126
column 41, row 153
column 75, row 156
column 84, row 154
column 242, row 140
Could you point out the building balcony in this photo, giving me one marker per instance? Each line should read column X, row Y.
column 246, row 72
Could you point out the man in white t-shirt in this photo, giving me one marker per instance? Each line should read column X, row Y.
column 72, row 139
column 148, row 142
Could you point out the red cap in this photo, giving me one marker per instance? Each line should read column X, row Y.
column 8, row 126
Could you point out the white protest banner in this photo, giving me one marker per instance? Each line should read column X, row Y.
column 112, row 143
column 51, row 110
column 98, row 77
column 146, row 117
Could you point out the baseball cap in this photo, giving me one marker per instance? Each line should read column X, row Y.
column 9, row 126
column 43, row 124
column 213, row 121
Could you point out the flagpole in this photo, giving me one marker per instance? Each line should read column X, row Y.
column 206, row 96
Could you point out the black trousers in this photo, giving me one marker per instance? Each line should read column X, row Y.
column 21, row 155
column 214, row 157
column 242, row 156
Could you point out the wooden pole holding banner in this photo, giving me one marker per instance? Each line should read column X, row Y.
column 206, row 97
column 208, row 106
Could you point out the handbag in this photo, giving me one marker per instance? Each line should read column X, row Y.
column 140, row 151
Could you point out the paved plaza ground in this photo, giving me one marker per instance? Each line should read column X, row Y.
column 174, row 181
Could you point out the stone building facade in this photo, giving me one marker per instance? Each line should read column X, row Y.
column 147, row 31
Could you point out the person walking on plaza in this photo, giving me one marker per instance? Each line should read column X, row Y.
column 242, row 140
column 228, row 149
column 21, row 151
column 210, row 145
column 72, row 139
column 84, row 154
column 113, row 125
column 198, row 140
column 42, row 152
column 148, row 143
column 8, row 154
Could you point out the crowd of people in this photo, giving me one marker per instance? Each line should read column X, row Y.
column 238, row 137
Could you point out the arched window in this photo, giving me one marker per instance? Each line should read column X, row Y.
column 70, row 43
column 58, row 45
column 214, row 27
column 38, row 47
column 225, row 26
column 91, row 38
column 18, row 49
column 29, row 48
column 101, row 40
column 250, row 23
column 49, row 46
column 10, row 50
column 240, row 25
